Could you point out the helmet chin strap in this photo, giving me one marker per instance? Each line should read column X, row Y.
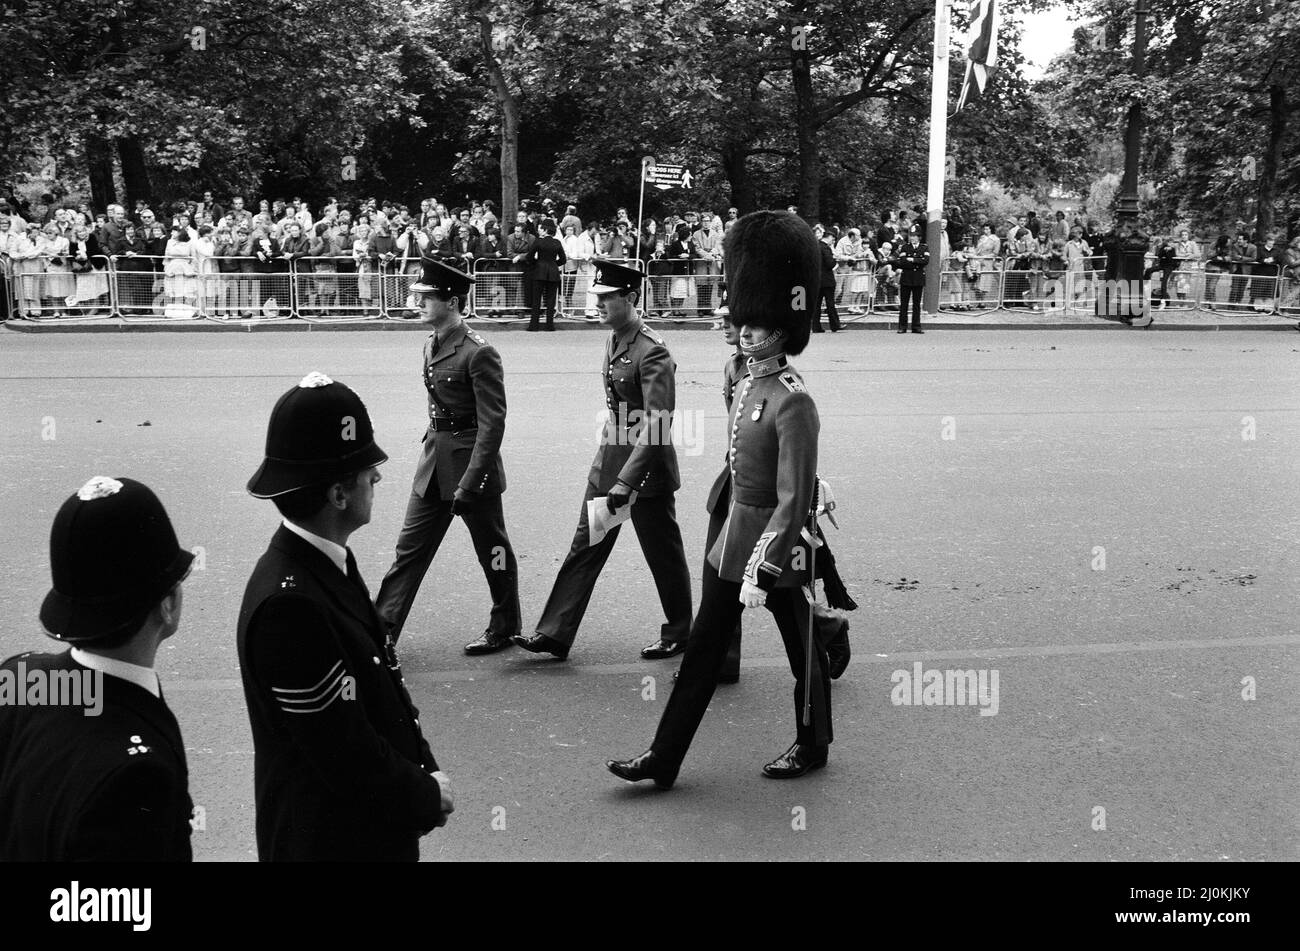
column 769, row 346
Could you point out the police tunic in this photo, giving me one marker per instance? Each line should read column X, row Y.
column 77, row 788
column 341, row 769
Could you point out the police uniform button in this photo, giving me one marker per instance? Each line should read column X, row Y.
column 375, row 659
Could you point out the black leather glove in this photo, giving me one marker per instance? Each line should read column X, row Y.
column 619, row 496
column 463, row 501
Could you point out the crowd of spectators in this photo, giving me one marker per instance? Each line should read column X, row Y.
column 167, row 251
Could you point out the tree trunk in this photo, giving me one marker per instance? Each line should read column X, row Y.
column 508, row 105
column 810, row 172
column 135, row 174
column 1266, row 197
column 99, row 169
column 736, row 166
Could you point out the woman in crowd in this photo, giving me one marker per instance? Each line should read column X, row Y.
column 266, row 262
column 59, row 283
column 1291, row 274
column 88, row 271
column 681, row 251
column 572, row 244
column 887, row 275
column 324, row 284
column 365, row 267
column 181, row 272
column 1189, row 256
column 7, row 235
column 1166, row 263
column 28, row 270
column 205, row 264
column 1077, row 253
column 226, row 299
column 987, row 250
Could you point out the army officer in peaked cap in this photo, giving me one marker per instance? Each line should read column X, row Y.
column 635, row 454
column 460, row 470
column 101, row 776
column 341, row 770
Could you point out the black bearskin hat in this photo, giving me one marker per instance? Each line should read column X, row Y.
column 773, row 268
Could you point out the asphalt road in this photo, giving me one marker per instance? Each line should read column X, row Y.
column 1119, row 687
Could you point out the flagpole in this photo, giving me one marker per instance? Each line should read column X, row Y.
column 938, row 154
column 640, row 209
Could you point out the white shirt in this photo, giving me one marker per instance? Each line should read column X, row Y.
column 140, row 676
column 331, row 550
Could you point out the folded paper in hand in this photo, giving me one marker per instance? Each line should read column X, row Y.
column 600, row 521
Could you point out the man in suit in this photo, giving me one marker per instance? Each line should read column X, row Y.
column 95, row 770
column 460, row 470
column 760, row 557
column 546, row 258
column 636, row 454
column 826, row 292
column 341, row 771
column 911, row 261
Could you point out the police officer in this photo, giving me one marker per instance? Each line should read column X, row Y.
column 911, row 259
column 636, row 454
column 460, row 470
column 759, row 558
column 341, row 769
column 102, row 778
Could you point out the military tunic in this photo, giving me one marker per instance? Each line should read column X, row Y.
column 772, row 462
column 465, row 388
column 76, row 788
column 341, row 769
column 636, row 449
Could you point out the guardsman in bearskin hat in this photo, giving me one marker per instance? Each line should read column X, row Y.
column 341, row 769
column 636, row 455
column 460, row 470
column 92, row 765
column 773, row 272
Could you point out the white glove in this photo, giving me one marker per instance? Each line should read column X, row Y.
column 751, row 595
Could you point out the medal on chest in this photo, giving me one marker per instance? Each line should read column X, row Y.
column 758, row 410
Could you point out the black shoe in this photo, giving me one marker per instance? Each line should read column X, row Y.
column 917, row 330
column 646, row 766
column 796, row 761
column 531, row 330
column 541, row 644
column 902, row 330
column 488, row 643
column 662, row 648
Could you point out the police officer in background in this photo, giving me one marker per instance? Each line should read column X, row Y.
column 341, row 771
column 460, row 470
column 76, row 784
column 636, row 454
column 911, row 260
column 759, row 558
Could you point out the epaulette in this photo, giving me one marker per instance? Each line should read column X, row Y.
column 793, row 383
column 137, row 746
column 653, row 336
column 476, row 337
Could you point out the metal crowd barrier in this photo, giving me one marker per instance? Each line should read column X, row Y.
column 670, row 295
column 39, row 289
column 143, row 287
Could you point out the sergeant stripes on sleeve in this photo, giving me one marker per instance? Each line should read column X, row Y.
column 327, row 690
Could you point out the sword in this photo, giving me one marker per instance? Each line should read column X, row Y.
column 812, row 597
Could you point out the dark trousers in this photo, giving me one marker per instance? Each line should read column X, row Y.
column 544, row 294
column 717, row 519
column 426, row 524
column 827, row 300
column 906, row 291
column 655, row 521
column 1239, row 283
column 720, row 610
